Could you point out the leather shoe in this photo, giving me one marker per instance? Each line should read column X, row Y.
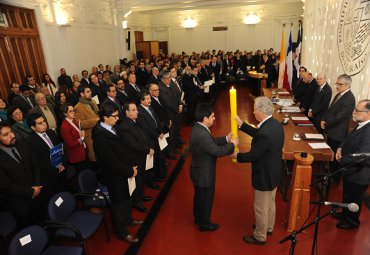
column 147, row 198
column 252, row 240
column 154, row 186
column 136, row 222
column 140, row 208
column 269, row 233
column 345, row 225
column 209, row 227
column 131, row 239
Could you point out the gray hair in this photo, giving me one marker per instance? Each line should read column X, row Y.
column 264, row 105
column 346, row 79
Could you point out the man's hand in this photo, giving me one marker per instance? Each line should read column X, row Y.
column 235, row 141
column 170, row 123
column 229, row 136
column 161, row 136
column 180, row 108
column 135, row 171
column 36, row 191
column 61, row 168
column 322, row 124
column 238, row 120
column 151, row 152
column 338, row 155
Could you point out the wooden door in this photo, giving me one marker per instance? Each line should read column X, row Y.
column 20, row 48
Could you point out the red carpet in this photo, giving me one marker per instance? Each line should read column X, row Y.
column 173, row 230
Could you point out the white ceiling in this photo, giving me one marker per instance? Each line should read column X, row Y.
column 155, row 6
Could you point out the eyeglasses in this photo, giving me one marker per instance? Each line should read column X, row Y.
column 115, row 116
column 339, row 84
column 357, row 110
column 71, row 111
column 155, row 90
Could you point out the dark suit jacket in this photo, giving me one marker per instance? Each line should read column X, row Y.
column 23, row 105
column 320, row 104
column 176, row 90
column 205, row 151
column 152, row 79
column 168, row 100
column 152, row 128
column 265, row 154
column 136, row 140
column 52, row 181
column 65, row 80
column 142, row 77
column 357, row 142
column 308, row 95
column 161, row 113
column 338, row 116
column 132, row 93
column 122, row 97
column 84, row 82
column 115, row 161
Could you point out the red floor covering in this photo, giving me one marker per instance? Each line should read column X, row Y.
column 174, row 233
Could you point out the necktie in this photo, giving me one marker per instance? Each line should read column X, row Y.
column 177, row 84
column 48, row 141
column 151, row 114
column 29, row 101
column 16, row 155
column 136, row 88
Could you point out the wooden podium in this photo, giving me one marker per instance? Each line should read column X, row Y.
column 300, row 194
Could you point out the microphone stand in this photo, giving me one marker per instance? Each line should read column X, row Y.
column 323, row 194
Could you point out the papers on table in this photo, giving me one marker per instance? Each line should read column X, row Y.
column 149, row 162
column 96, row 99
column 309, row 136
column 163, row 142
column 208, row 84
column 319, row 145
column 300, row 118
column 285, row 102
column 131, row 185
column 290, row 109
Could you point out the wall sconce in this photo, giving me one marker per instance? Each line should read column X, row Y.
column 189, row 23
column 61, row 16
column 124, row 24
column 251, row 19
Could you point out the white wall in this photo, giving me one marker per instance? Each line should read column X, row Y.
column 167, row 26
column 326, row 38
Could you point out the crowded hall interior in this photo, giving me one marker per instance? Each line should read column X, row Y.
column 184, row 127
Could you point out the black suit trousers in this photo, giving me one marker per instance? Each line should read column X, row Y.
column 202, row 205
column 137, row 196
column 352, row 193
column 121, row 217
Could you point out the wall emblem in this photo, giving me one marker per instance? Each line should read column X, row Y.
column 354, row 35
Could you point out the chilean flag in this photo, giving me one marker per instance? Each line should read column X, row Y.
column 288, row 74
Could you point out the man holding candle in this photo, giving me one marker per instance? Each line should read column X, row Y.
column 265, row 155
column 205, row 151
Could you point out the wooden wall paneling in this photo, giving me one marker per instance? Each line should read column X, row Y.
column 18, row 63
column 7, row 73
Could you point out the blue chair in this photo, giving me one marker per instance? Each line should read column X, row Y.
column 76, row 224
column 34, row 240
column 8, row 225
column 88, row 184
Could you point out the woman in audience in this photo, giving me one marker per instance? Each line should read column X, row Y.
column 73, row 138
column 18, row 123
column 61, row 99
column 3, row 111
column 49, row 83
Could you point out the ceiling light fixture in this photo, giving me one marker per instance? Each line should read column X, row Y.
column 251, row 19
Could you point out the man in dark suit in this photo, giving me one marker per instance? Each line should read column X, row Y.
column 85, row 78
column 25, row 100
column 112, row 96
column 15, row 92
column 267, row 168
column 306, row 99
column 142, row 75
column 154, row 76
column 20, row 181
column 337, row 118
column 299, row 87
column 121, row 93
column 41, row 140
column 320, row 101
column 267, row 68
column 117, row 167
column 173, row 106
column 64, row 79
column 356, row 178
column 140, row 146
column 154, row 129
column 132, row 89
column 205, row 150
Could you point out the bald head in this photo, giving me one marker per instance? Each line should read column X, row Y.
column 321, row 79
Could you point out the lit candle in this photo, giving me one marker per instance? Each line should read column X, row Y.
column 233, row 114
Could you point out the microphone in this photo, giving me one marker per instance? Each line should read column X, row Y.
column 352, row 207
column 360, row 155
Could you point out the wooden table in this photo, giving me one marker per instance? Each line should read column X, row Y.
column 291, row 146
column 258, row 82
